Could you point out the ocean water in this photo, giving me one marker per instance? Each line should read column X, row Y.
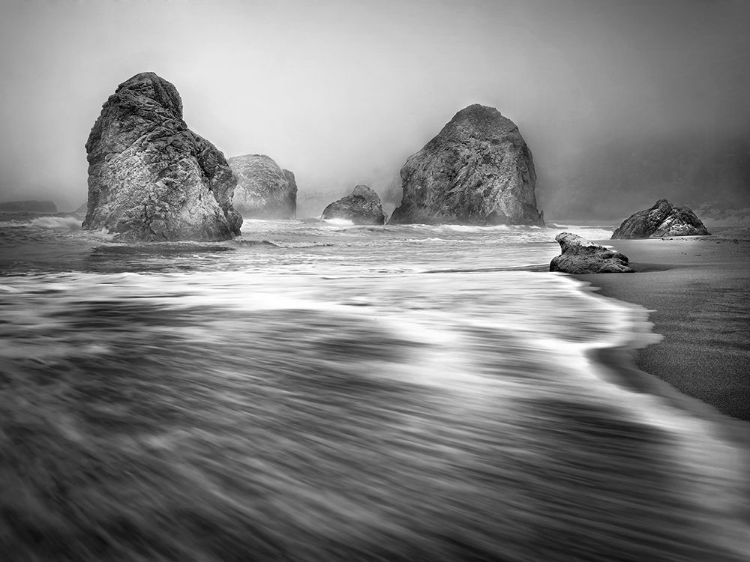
column 324, row 391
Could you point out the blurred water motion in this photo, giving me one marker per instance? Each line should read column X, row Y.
column 345, row 394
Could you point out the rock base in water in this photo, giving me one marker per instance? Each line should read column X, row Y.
column 361, row 207
column 581, row 256
column 663, row 219
column 477, row 170
column 150, row 177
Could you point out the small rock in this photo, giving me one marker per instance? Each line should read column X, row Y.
column 663, row 219
column 581, row 256
column 361, row 207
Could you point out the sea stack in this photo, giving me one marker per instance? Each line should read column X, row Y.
column 663, row 219
column 264, row 190
column 581, row 256
column 150, row 177
column 477, row 170
column 361, row 207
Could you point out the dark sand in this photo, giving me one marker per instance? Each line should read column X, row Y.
column 698, row 289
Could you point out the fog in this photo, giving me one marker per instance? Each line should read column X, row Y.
column 620, row 102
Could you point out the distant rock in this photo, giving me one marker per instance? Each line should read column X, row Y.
column 361, row 207
column 663, row 219
column 581, row 256
column 28, row 207
column 150, row 177
column 477, row 170
column 264, row 190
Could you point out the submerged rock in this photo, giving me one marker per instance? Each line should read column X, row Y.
column 477, row 170
column 663, row 219
column 28, row 207
column 362, row 206
column 264, row 190
column 150, row 177
column 581, row 256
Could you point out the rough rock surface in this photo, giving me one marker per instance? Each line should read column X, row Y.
column 264, row 190
column 28, row 206
column 150, row 177
column 477, row 170
column 581, row 256
column 361, row 207
column 663, row 219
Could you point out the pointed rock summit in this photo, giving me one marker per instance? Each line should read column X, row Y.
column 150, row 177
column 361, row 207
column 477, row 170
column 264, row 190
column 663, row 219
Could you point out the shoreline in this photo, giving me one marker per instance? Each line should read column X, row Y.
column 697, row 292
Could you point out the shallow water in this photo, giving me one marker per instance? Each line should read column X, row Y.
column 313, row 391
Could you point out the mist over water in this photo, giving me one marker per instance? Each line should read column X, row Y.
column 621, row 103
column 331, row 392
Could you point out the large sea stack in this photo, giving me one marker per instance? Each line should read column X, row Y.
column 150, row 177
column 264, row 190
column 477, row 170
column 663, row 219
column 362, row 206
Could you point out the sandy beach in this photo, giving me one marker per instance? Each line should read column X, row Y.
column 697, row 290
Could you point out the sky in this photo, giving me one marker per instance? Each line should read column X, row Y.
column 342, row 92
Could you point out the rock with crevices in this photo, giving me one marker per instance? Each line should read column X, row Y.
column 663, row 219
column 150, row 177
column 477, row 170
column 581, row 256
column 362, row 206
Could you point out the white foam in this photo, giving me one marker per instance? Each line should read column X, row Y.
column 67, row 223
column 339, row 222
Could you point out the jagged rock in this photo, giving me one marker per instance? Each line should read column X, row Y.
column 264, row 190
column 361, row 207
column 663, row 219
column 581, row 256
column 28, row 207
column 477, row 170
column 150, row 177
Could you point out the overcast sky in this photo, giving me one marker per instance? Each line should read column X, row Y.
column 341, row 92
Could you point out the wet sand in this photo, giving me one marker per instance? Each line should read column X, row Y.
column 698, row 291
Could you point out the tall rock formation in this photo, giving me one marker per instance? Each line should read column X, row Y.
column 477, row 170
column 663, row 219
column 361, row 207
column 264, row 190
column 150, row 177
